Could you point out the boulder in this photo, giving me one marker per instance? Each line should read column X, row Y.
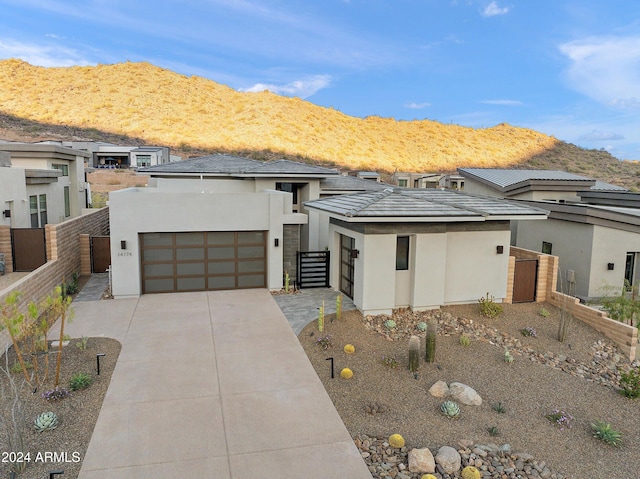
column 464, row 394
column 449, row 459
column 421, row 460
column 439, row 389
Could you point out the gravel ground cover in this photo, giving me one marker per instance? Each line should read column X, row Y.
column 77, row 413
column 579, row 377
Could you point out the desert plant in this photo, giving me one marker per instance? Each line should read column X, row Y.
column 375, row 407
column 422, row 326
column 566, row 309
column 13, row 321
column 339, row 307
column 430, row 343
column 622, row 305
column 414, row 353
column 450, row 409
column 389, row 361
column 630, row 383
column 529, row 332
column 560, row 418
column 493, row 431
column 606, row 433
column 47, row 421
column 396, row 441
column 321, row 318
column 80, row 381
column 390, row 324
column 55, row 394
column 489, row 307
column 346, row 373
column 544, row 313
column 508, row 358
column 464, row 340
column 71, row 288
column 59, row 306
column 470, row 472
column 325, row 341
column 349, row 349
column 82, row 343
column 499, row 408
column 286, row 281
column 12, row 415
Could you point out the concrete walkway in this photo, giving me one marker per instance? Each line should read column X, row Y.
column 211, row 385
column 95, row 288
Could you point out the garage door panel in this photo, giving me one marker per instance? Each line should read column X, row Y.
column 196, row 261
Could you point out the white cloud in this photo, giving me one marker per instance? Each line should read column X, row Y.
column 599, row 135
column 300, row 88
column 494, row 9
column 606, row 69
column 41, row 55
column 417, row 106
column 502, row 102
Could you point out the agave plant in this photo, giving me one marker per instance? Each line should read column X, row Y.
column 47, row 421
column 450, row 409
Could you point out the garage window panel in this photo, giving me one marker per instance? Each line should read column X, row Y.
column 158, row 255
column 222, row 282
column 157, row 239
column 221, row 238
column 221, row 267
column 189, row 254
column 152, row 270
column 190, row 269
column 191, row 284
column 158, row 285
column 226, row 252
column 183, row 239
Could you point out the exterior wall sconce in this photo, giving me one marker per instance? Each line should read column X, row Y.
column 354, row 253
column 610, row 266
column 499, row 249
column 6, row 213
column 123, row 244
column 276, row 242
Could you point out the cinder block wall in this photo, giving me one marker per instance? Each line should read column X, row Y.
column 512, row 269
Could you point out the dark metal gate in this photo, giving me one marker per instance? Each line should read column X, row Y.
column 525, row 280
column 100, row 254
column 313, row 269
column 29, row 248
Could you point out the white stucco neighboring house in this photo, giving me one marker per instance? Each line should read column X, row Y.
column 419, row 248
column 40, row 184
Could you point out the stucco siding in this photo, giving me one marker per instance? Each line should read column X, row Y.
column 428, row 271
column 610, row 246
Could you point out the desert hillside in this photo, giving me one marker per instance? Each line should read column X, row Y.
column 194, row 115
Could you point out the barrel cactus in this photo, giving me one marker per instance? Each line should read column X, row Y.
column 346, row 373
column 349, row 349
column 470, row 472
column 450, row 409
column 47, row 421
column 428, row 476
column 396, row 440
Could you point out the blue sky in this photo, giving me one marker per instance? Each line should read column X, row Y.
column 568, row 68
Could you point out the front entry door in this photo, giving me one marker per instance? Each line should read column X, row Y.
column 347, row 246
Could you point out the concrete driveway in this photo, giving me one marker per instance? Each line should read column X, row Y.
column 211, row 385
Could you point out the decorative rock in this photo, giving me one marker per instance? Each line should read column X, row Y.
column 464, row 394
column 439, row 389
column 421, row 460
column 449, row 459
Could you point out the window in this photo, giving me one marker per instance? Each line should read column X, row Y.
column 43, row 210
column 546, row 247
column 402, row 183
column 402, row 253
column 33, row 211
column 143, row 160
column 63, row 168
column 67, row 202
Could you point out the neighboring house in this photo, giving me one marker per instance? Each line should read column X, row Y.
column 419, row 248
column 40, row 184
column 416, row 180
column 593, row 227
column 215, row 222
column 366, row 175
column 452, row 182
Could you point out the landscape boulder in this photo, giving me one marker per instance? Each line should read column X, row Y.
column 421, row 460
column 449, row 459
column 464, row 394
column 439, row 389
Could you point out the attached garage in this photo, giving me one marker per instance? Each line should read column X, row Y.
column 203, row 261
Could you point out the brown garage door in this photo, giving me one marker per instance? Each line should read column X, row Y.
column 203, row 261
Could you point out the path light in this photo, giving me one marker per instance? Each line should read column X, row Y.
column 331, row 359
column 98, row 356
column 55, row 473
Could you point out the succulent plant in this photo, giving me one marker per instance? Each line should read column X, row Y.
column 507, row 357
column 465, row 340
column 80, row 381
column 428, row 476
column 414, row 353
column 396, row 440
column 375, row 407
column 47, row 421
column 346, row 373
column 430, row 343
column 422, row 326
column 390, row 324
column 470, row 472
column 349, row 349
column 450, row 409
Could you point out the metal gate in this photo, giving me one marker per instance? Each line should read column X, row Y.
column 313, row 269
column 28, row 246
column 100, row 254
column 525, row 280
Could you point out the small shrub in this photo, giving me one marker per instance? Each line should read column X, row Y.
column 55, row 394
column 390, row 362
column 606, row 433
column 489, row 307
column 560, row 418
column 17, row 368
column 499, row 408
column 544, row 313
column 325, row 342
column 82, row 343
column 630, row 383
column 493, row 431
column 80, row 381
column 529, row 332
column 465, row 340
